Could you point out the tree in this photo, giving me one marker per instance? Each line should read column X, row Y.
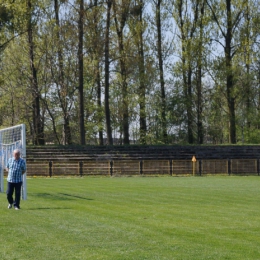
column 228, row 15
column 38, row 120
column 121, row 13
column 107, row 64
column 189, row 19
column 200, row 47
column 5, row 18
column 138, row 26
column 96, row 50
column 161, row 68
column 62, row 89
column 245, row 57
column 6, row 23
column 81, row 69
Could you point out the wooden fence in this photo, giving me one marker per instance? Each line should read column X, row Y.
column 143, row 167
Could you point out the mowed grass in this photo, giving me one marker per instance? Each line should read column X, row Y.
column 134, row 218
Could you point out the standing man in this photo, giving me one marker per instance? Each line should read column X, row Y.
column 16, row 167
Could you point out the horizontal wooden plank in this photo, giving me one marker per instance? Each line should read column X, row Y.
column 135, row 167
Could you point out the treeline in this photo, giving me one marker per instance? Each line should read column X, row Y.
column 131, row 71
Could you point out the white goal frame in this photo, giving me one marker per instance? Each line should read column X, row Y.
column 6, row 150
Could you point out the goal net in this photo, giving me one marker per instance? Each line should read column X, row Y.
column 12, row 138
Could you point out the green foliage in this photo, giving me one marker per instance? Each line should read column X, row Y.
column 5, row 16
column 253, row 136
column 193, row 52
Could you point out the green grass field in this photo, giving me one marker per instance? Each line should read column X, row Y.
column 134, row 218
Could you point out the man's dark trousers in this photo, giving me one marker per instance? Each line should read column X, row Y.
column 10, row 190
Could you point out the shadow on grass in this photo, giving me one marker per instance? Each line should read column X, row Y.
column 59, row 196
column 46, row 208
column 75, row 196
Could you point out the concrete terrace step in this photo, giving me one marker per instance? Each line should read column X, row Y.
column 141, row 152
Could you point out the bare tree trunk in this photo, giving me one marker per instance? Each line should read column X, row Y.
column 55, row 132
column 38, row 126
column 97, row 53
column 200, row 132
column 125, row 107
column 62, row 91
column 120, row 24
column 229, row 77
column 81, row 69
column 124, row 89
column 142, row 88
column 162, row 82
column 107, row 109
column 189, row 106
column 248, row 89
column 258, row 94
column 186, row 38
column 227, row 33
column 98, row 83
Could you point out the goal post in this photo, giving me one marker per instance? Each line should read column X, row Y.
column 12, row 138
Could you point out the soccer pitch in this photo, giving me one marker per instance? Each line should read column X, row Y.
column 134, row 218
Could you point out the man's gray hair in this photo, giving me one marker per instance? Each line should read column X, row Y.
column 17, row 151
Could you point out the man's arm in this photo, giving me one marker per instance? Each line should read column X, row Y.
column 23, row 167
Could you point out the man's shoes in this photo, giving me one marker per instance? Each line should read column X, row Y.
column 15, row 207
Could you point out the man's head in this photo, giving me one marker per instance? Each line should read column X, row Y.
column 16, row 154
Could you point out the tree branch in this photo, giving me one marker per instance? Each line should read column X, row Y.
column 216, row 19
column 4, row 45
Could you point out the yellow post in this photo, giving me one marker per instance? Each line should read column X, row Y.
column 193, row 164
